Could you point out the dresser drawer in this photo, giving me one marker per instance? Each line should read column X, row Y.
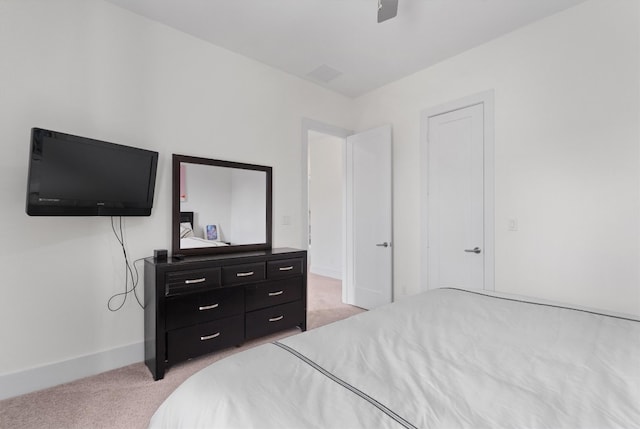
column 195, row 340
column 185, row 281
column 245, row 273
column 272, row 293
column 269, row 320
column 284, row 268
column 203, row 307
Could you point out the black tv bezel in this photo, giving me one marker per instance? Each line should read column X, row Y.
column 79, row 207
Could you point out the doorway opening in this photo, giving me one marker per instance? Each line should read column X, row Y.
column 366, row 256
column 325, row 184
column 323, row 196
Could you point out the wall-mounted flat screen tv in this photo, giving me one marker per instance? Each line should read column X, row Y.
column 78, row 176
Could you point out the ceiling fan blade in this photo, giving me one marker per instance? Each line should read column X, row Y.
column 387, row 9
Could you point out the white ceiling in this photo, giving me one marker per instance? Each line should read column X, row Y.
column 299, row 36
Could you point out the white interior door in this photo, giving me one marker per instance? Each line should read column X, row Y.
column 456, row 221
column 368, row 205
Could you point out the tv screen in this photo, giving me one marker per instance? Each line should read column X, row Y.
column 78, row 176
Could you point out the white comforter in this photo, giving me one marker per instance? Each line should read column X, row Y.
column 443, row 359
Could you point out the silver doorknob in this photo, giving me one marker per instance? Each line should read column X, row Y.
column 474, row 250
column 385, row 244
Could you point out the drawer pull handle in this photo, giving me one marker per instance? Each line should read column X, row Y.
column 289, row 268
column 200, row 280
column 280, row 292
column 208, row 307
column 247, row 274
column 275, row 319
column 210, row 337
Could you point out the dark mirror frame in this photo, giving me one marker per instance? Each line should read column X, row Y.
column 175, row 198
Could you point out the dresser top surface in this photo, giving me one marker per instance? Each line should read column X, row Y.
column 282, row 251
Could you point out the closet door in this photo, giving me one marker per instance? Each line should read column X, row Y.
column 455, row 216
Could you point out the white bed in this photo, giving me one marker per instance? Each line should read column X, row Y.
column 447, row 358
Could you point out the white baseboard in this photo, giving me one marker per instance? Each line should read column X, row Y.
column 30, row 380
column 326, row 272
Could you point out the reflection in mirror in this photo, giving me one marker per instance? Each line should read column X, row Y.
column 228, row 205
column 220, row 206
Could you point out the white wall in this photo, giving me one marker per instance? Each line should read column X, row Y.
column 326, row 203
column 566, row 153
column 89, row 68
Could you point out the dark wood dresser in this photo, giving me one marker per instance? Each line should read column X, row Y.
column 201, row 304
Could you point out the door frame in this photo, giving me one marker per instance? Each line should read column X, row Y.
column 486, row 98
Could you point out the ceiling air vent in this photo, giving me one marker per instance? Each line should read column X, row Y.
column 324, row 74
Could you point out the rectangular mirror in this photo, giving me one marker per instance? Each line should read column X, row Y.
column 220, row 206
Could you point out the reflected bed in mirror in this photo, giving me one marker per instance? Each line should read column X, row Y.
column 220, row 206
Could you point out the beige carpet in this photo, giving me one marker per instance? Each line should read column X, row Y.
column 128, row 396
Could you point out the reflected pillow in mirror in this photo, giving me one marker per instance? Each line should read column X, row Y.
column 186, row 230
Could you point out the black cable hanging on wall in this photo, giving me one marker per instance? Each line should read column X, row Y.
column 129, row 269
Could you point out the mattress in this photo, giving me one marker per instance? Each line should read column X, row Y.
column 445, row 358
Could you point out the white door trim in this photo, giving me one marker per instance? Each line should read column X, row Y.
column 487, row 99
